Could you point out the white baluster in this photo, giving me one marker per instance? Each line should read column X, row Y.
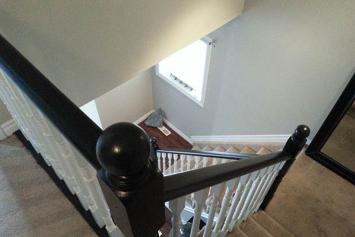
column 230, row 187
column 159, row 160
column 177, row 206
column 205, row 161
column 163, row 156
column 199, row 202
column 236, row 198
column 270, row 182
column 197, row 160
column 258, row 185
column 175, row 158
column 215, row 193
column 189, row 161
column 264, row 183
column 250, row 195
column 243, row 197
column 183, row 162
column 170, row 163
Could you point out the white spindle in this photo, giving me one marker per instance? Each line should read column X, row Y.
column 215, row 194
column 183, row 162
column 236, row 198
column 230, row 187
column 177, row 206
column 163, row 156
column 274, row 173
column 175, row 158
column 251, row 191
column 254, row 192
column 199, row 202
column 159, row 160
column 197, row 160
column 263, row 184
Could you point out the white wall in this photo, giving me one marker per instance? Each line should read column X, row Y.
column 4, row 114
column 127, row 102
column 86, row 48
column 280, row 64
column 90, row 109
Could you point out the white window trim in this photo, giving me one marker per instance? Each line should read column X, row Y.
column 210, row 44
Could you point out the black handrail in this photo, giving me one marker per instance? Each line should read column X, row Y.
column 180, row 184
column 78, row 128
column 211, row 154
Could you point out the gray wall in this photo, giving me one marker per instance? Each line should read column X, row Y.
column 4, row 114
column 280, row 64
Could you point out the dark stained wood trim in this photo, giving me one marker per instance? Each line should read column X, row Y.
column 174, row 140
column 78, row 128
column 331, row 122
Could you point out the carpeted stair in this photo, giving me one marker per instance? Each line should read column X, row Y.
column 31, row 205
column 310, row 201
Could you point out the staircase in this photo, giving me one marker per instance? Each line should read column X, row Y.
column 260, row 225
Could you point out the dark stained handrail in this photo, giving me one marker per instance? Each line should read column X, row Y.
column 180, row 184
column 211, row 154
column 78, row 128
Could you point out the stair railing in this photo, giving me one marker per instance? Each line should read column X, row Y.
column 115, row 175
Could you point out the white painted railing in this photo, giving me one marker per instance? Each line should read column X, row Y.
column 68, row 163
column 221, row 207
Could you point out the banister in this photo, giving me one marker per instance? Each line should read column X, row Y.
column 180, row 184
column 75, row 125
column 211, row 154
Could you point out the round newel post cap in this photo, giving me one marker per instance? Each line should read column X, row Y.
column 123, row 149
column 302, row 132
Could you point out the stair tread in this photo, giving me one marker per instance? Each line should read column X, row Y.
column 251, row 228
column 271, row 225
column 237, row 232
column 263, row 151
column 248, row 150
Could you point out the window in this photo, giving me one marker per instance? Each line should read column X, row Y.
column 187, row 69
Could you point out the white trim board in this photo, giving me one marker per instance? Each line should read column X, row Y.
column 245, row 139
column 141, row 119
column 8, row 128
column 178, row 131
column 172, row 126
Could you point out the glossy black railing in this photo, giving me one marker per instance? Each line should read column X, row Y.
column 180, row 184
column 211, row 154
column 79, row 129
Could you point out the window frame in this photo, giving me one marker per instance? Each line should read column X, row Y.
column 210, row 44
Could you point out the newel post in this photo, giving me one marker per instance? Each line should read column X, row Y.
column 292, row 147
column 130, row 180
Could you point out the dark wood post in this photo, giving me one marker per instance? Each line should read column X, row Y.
column 292, row 147
column 130, row 180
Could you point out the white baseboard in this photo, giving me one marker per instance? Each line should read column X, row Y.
column 8, row 128
column 172, row 126
column 178, row 131
column 244, row 139
column 141, row 119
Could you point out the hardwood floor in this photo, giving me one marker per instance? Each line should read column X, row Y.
column 174, row 140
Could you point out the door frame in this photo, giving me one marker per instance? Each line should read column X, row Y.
column 341, row 107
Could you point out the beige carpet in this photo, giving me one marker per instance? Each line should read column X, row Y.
column 312, row 201
column 30, row 202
